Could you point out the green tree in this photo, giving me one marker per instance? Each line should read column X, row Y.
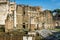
column 57, row 11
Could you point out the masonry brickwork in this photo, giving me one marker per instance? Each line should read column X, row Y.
column 25, row 17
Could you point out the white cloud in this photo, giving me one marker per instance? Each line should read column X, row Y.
column 43, row 9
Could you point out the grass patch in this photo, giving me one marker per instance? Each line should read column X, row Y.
column 57, row 29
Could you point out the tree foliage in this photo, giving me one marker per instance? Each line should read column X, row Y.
column 57, row 11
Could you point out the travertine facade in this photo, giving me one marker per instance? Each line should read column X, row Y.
column 32, row 18
column 3, row 12
column 25, row 17
column 11, row 17
column 8, row 15
column 48, row 18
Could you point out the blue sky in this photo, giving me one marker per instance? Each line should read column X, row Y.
column 45, row 4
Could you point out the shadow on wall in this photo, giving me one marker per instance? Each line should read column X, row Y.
column 58, row 27
column 2, row 29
